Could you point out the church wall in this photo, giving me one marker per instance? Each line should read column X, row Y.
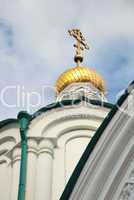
column 5, row 179
column 9, row 161
column 56, row 141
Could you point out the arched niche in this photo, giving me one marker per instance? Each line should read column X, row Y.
column 42, row 125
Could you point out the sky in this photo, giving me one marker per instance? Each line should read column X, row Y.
column 35, row 47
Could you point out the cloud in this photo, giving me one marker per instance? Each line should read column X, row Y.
column 35, row 47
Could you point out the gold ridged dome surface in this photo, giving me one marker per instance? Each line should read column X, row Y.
column 80, row 74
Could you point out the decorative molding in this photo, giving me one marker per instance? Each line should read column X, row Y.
column 32, row 145
column 77, row 137
column 57, row 122
column 78, row 90
column 46, row 145
column 128, row 188
column 6, row 144
column 71, row 117
column 68, row 103
column 16, row 154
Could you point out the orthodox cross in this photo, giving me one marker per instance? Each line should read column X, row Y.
column 80, row 45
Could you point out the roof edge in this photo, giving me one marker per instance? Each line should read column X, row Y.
column 7, row 122
column 58, row 105
column 70, row 102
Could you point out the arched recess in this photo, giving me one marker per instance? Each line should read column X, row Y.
column 10, row 133
column 41, row 126
column 68, row 133
column 62, row 130
column 6, row 144
column 65, row 126
column 74, row 148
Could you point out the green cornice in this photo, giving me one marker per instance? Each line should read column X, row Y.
column 73, row 180
column 7, row 122
column 57, row 105
column 71, row 102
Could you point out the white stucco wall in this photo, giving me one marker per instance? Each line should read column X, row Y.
column 56, row 141
column 9, row 161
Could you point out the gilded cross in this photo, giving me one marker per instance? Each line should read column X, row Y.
column 80, row 45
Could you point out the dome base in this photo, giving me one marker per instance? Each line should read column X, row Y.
column 78, row 90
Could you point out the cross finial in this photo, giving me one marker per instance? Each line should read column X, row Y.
column 80, row 45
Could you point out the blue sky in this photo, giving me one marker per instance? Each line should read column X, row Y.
column 35, row 46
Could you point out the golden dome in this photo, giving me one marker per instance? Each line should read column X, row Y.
column 80, row 74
